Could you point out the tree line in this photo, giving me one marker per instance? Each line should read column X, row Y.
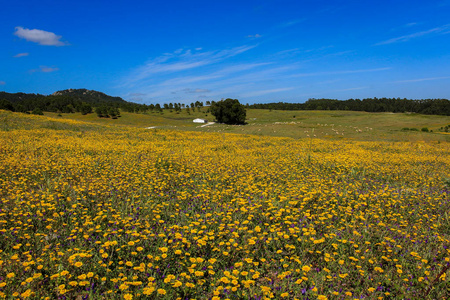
column 85, row 101
column 396, row 105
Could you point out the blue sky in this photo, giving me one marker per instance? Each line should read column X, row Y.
column 255, row 51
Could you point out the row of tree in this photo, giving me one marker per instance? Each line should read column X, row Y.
column 424, row 106
column 84, row 101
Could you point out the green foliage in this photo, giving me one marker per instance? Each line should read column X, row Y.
column 37, row 111
column 114, row 112
column 106, row 112
column 396, row 105
column 425, row 129
column 86, row 109
column 414, row 129
column 6, row 105
column 67, row 101
column 229, row 111
column 447, row 183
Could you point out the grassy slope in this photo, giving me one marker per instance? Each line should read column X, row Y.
column 295, row 124
column 322, row 124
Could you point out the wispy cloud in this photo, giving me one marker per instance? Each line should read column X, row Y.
column 437, row 30
column 410, row 24
column 351, row 89
column 341, row 72
column 181, row 60
column 48, row 69
column 136, row 97
column 187, row 75
column 21, row 54
column 254, row 35
column 291, row 23
column 44, row 69
column 265, row 92
column 422, row 79
column 41, row 37
column 195, row 91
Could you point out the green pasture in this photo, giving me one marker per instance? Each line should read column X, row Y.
column 295, row 124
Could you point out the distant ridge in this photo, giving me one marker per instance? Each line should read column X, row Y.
column 84, row 95
column 89, row 96
column 66, row 101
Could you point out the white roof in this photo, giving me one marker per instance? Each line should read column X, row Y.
column 199, row 121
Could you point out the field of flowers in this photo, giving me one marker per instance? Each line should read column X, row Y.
column 124, row 213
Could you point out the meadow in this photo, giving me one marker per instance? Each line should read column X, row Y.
column 334, row 125
column 103, row 210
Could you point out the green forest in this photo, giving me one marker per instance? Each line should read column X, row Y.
column 396, row 105
column 88, row 101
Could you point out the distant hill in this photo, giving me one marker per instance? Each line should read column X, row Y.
column 18, row 97
column 84, row 95
column 67, row 101
column 89, row 96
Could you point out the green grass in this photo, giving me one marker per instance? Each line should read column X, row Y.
column 295, row 124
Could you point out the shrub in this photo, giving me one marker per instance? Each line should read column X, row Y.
column 37, row 111
column 229, row 111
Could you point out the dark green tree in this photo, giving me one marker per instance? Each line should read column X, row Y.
column 114, row 112
column 37, row 111
column 85, row 109
column 6, row 105
column 229, row 111
column 102, row 112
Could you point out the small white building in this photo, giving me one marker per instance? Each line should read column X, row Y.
column 200, row 121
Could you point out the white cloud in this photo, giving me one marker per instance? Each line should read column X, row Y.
column 21, row 54
column 44, row 69
column 181, row 61
column 137, row 94
column 41, row 37
column 405, row 38
column 48, row 69
column 422, row 79
column 291, row 23
column 195, row 91
column 136, row 97
column 2, row 83
column 351, row 89
column 185, row 75
column 340, row 72
column 254, row 36
column 265, row 92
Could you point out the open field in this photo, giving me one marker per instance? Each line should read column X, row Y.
column 334, row 125
column 114, row 211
